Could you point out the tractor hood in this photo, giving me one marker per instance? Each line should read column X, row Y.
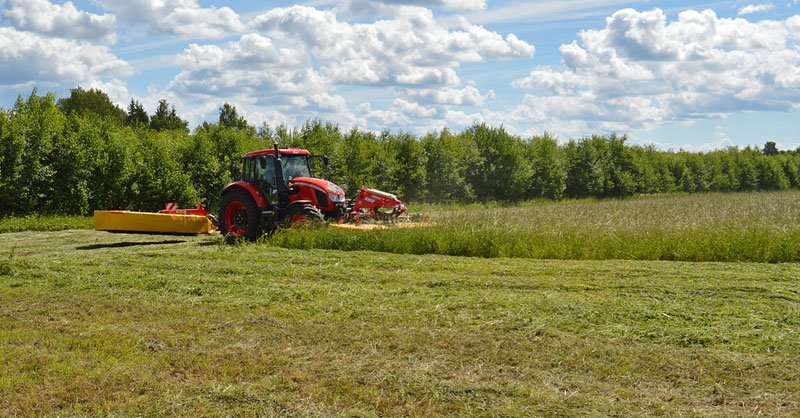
column 320, row 184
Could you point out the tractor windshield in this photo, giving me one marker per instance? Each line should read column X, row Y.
column 261, row 170
column 295, row 166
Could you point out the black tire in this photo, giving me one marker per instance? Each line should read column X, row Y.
column 214, row 220
column 244, row 219
column 302, row 216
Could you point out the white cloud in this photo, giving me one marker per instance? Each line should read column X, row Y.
column 459, row 120
column 755, row 8
column 117, row 90
column 413, row 109
column 295, row 59
column 722, row 141
column 389, row 118
column 26, row 58
column 531, row 11
column 400, row 7
column 401, row 114
column 413, row 49
column 271, row 117
column 642, row 70
column 255, row 71
column 64, row 21
column 182, row 18
column 445, row 4
column 468, row 96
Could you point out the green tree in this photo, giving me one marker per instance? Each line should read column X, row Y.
column 448, row 158
column 620, row 177
column 137, row 116
column 112, row 163
column 651, row 170
column 791, row 168
column 770, row 148
column 156, row 176
column 502, row 172
column 212, row 157
column 30, row 145
column 600, row 167
column 229, row 118
column 11, row 150
column 748, row 169
column 686, row 178
column 549, row 174
column 584, row 169
column 410, row 176
column 367, row 162
column 166, row 118
column 771, row 174
column 723, row 171
column 93, row 101
column 697, row 164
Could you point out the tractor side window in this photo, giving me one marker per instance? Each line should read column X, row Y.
column 248, row 172
column 266, row 173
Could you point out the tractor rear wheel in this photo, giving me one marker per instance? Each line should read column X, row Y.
column 239, row 216
column 306, row 215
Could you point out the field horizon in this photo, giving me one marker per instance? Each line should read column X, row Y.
column 723, row 227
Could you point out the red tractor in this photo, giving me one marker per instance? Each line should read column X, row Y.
column 277, row 188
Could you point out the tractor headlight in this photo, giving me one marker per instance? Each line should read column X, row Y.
column 336, row 198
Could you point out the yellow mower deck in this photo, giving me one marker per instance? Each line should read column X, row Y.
column 158, row 223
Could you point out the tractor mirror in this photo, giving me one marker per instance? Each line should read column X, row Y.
column 326, row 161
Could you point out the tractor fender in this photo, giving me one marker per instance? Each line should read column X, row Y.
column 300, row 203
column 259, row 198
column 296, row 206
column 291, row 205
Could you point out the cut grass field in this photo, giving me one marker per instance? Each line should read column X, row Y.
column 758, row 227
column 114, row 324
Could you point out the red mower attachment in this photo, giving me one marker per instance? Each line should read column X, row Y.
column 173, row 209
column 378, row 205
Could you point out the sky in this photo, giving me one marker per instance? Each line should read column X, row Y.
column 675, row 74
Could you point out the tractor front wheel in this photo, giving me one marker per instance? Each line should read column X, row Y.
column 299, row 216
column 239, row 216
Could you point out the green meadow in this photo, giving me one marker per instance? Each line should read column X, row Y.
column 101, row 324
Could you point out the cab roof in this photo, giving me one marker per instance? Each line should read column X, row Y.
column 271, row 151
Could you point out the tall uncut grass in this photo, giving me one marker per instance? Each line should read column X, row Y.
column 45, row 223
column 760, row 227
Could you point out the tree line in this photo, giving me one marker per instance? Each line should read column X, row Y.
column 82, row 153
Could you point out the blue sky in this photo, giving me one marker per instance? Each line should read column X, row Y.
column 692, row 75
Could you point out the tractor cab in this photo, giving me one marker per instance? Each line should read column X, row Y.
column 260, row 170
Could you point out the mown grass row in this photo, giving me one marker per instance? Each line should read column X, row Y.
column 758, row 227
